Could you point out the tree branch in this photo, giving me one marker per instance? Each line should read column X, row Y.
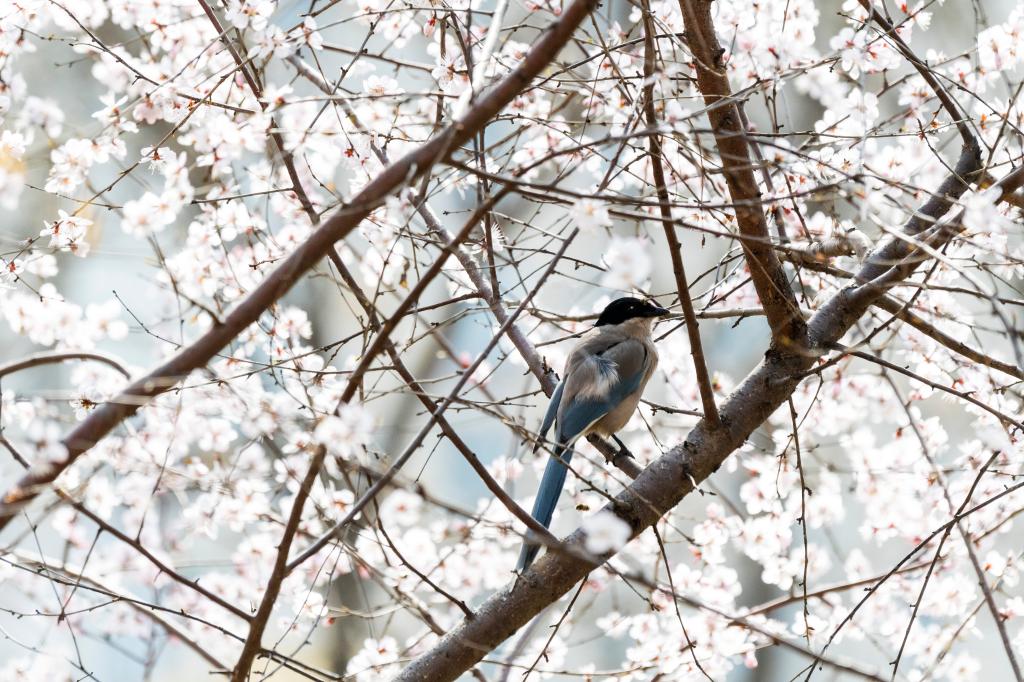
column 413, row 446
column 770, row 281
column 620, row 459
column 707, row 395
column 397, row 175
column 670, row 478
column 57, row 357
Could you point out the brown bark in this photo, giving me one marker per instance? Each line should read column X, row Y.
column 707, row 394
column 766, row 271
column 667, row 480
column 397, row 175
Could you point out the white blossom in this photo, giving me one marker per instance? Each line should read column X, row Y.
column 346, row 433
column 589, row 214
column 982, row 212
column 605, row 532
column 628, row 264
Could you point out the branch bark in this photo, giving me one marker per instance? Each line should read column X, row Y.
column 770, row 281
column 707, row 395
column 663, row 484
column 397, row 175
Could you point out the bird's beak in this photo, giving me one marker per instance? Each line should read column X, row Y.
column 655, row 311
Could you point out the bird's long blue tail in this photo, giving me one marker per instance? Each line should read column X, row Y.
column 547, row 499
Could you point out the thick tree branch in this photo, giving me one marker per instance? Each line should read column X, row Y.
column 664, row 483
column 770, row 281
column 670, row 478
column 656, row 490
column 397, row 175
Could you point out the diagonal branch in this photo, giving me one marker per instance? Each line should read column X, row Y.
column 618, row 458
column 770, row 281
column 655, row 491
column 409, row 168
column 891, row 305
column 283, row 567
column 670, row 478
column 258, row 623
column 53, row 358
column 287, row 158
column 956, row 114
column 355, row 508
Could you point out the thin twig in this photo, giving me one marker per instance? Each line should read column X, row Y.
column 56, row 357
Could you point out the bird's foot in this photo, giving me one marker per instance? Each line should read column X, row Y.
column 623, row 450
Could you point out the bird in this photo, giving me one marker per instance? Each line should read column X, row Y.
column 601, row 386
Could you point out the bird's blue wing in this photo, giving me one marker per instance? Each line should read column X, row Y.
column 583, row 409
column 547, row 499
column 552, row 482
column 549, row 416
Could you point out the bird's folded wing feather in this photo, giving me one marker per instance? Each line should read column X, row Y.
column 549, row 416
column 600, row 373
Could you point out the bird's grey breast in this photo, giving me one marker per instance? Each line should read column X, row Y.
column 643, row 360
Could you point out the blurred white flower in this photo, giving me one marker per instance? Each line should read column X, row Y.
column 44, row 437
column 71, row 163
column 347, row 432
column 250, row 13
column 982, row 214
column 590, row 214
column 149, row 213
column 12, row 144
column 628, row 262
column 853, row 116
column 999, row 47
column 377, row 661
column 272, row 42
column 310, row 34
column 606, row 532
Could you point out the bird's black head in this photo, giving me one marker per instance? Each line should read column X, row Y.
column 622, row 309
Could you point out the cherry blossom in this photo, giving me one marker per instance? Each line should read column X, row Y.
column 345, row 433
column 628, row 263
column 588, row 214
column 200, row 161
column 68, row 233
column 252, row 14
column 605, row 533
column 982, row 213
